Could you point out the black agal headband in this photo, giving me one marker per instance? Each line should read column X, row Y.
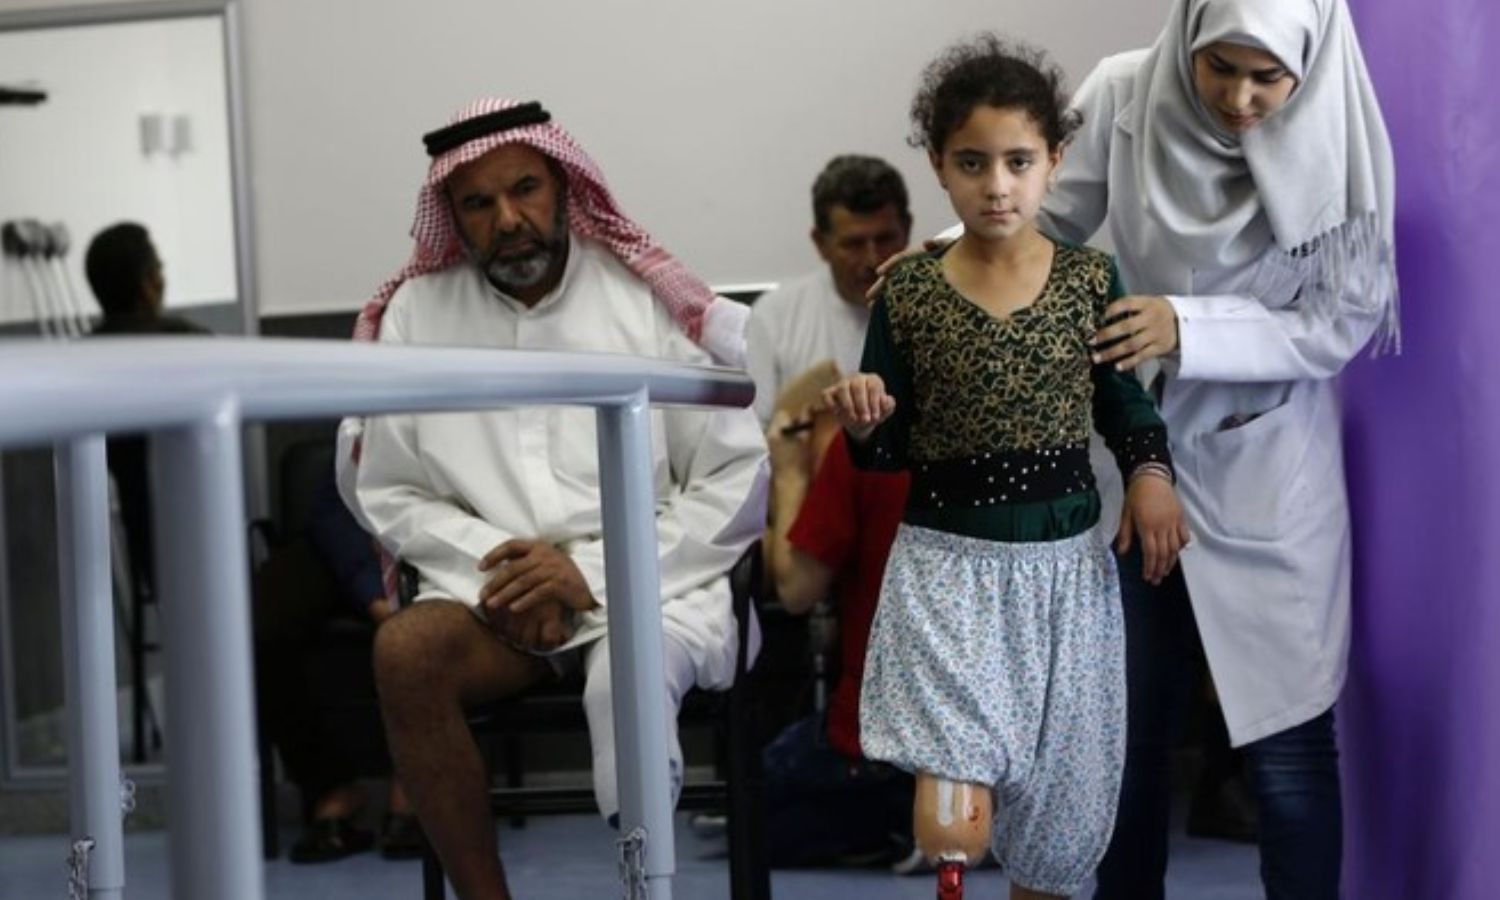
column 459, row 133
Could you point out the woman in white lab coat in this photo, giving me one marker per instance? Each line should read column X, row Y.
column 1245, row 176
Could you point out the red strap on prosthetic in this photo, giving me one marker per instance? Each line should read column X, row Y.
column 950, row 881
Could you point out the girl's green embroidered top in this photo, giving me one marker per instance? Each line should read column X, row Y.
column 993, row 415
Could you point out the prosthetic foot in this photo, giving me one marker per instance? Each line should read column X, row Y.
column 950, row 880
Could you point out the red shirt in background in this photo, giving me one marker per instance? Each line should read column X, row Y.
column 848, row 522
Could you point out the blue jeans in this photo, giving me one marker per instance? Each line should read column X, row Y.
column 823, row 808
column 1294, row 773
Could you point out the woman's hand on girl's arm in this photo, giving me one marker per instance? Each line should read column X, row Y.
column 1142, row 328
column 860, row 403
column 1154, row 515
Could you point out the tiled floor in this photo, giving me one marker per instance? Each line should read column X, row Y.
column 573, row 856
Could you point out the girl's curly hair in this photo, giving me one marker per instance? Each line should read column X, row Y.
column 990, row 71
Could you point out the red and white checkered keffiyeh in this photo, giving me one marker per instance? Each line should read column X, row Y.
column 592, row 212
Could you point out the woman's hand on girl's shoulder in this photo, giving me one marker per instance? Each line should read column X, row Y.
column 930, row 245
column 860, row 403
column 1153, row 514
column 1141, row 328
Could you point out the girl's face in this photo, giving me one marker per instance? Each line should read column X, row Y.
column 996, row 168
column 1240, row 86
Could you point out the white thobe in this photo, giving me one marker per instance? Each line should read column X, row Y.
column 443, row 490
column 797, row 326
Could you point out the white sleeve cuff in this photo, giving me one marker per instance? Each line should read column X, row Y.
column 1211, row 334
column 724, row 332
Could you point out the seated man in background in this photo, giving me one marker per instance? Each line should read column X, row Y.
column 125, row 274
column 831, row 529
column 860, row 218
column 520, row 245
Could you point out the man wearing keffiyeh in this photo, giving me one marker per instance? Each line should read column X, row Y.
column 520, row 245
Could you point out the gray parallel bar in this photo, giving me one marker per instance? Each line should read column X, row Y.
column 89, row 661
column 632, row 571
column 212, row 802
column 193, row 395
column 181, row 380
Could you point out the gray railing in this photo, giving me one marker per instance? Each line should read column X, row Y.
column 192, row 396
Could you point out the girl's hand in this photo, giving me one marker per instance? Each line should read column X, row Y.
column 1153, row 513
column 928, row 246
column 1148, row 330
column 860, row 403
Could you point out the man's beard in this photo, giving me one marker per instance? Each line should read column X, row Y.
column 523, row 270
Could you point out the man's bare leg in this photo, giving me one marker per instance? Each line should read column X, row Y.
column 432, row 660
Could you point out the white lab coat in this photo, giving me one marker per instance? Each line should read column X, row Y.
column 442, row 490
column 1269, row 567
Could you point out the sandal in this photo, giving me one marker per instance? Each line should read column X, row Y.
column 326, row 840
column 401, row 837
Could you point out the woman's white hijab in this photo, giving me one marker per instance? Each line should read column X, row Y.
column 1316, row 177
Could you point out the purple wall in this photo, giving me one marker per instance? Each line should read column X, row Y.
column 1421, row 714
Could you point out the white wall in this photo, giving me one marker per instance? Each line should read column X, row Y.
column 710, row 118
column 78, row 159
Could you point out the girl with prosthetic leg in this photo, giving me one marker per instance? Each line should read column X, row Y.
column 996, row 662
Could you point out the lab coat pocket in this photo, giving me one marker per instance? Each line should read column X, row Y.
column 1251, row 473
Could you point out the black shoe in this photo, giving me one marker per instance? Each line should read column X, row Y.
column 401, row 837
column 326, row 840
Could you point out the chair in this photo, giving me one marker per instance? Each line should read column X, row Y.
column 731, row 713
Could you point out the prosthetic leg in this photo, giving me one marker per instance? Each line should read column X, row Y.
column 951, row 822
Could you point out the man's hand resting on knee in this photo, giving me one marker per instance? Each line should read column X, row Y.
column 532, row 592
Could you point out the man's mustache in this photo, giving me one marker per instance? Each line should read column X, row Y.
column 521, row 243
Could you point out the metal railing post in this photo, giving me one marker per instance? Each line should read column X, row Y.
column 83, row 549
column 213, row 806
column 632, row 571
